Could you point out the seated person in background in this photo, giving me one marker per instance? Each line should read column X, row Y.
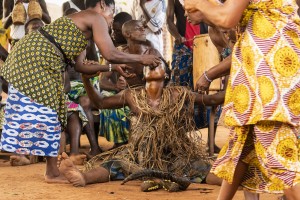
column 162, row 136
column 114, row 124
column 118, row 22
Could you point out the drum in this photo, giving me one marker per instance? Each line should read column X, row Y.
column 205, row 56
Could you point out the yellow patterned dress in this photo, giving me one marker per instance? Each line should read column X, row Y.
column 36, row 109
column 262, row 104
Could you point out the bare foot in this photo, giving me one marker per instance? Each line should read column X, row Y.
column 68, row 169
column 78, row 159
column 17, row 160
column 56, row 179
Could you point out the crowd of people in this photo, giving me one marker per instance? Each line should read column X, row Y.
column 92, row 59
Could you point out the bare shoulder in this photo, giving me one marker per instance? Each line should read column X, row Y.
column 153, row 51
column 86, row 18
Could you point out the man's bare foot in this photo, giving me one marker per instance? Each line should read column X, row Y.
column 68, row 169
column 56, row 179
column 17, row 160
column 78, row 159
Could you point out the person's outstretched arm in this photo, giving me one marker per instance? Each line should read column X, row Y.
column 210, row 100
column 91, row 21
column 218, row 71
column 225, row 15
column 112, row 102
column 93, row 67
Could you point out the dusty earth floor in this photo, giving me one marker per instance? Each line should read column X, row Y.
column 27, row 183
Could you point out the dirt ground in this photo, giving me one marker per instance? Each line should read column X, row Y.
column 27, row 183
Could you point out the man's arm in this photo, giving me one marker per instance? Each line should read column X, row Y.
column 113, row 102
column 210, row 100
column 45, row 17
column 170, row 23
column 8, row 6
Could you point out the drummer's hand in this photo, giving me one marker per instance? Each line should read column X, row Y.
column 122, row 69
column 202, row 85
column 190, row 5
column 194, row 17
column 150, row 60
column 180, row 40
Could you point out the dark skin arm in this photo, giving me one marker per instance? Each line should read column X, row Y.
column 171, row 25
column 90, row 22
column 108, row 83
column 226, row 15
column 3, row 53
column 8, row 6
column 210, row 100
column 113, row 102
column 66, row 81
column 45, row 17
column 93, row 67
column 218, row 71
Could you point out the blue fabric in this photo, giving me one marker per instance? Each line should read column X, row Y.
column 29, row 127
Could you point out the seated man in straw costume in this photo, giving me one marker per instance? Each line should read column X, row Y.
column 162, row 135
column 114, row 123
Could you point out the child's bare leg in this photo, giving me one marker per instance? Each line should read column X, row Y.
column 228, row 190
column 74, row 127
column 74, row 176
column 293, row 193
column 53, row 174
column 250, row 195
column 86, row 104
column 19, row 160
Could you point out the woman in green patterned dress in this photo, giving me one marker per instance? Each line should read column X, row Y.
column 36, row 113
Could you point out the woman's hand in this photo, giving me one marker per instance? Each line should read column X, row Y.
column 123, row 70
column 202, row 84
column 180, row 40
column 88, row 76
column 150, row 60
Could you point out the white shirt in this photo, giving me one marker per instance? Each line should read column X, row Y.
column 157, row 12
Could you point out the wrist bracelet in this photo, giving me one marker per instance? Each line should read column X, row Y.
column 206, row 77
column 109, row 67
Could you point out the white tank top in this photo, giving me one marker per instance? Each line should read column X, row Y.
column 18, row 31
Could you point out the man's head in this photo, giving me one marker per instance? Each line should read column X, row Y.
column 33, row 25
column 118, row 22
column 159, row 73
column 134, row 30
